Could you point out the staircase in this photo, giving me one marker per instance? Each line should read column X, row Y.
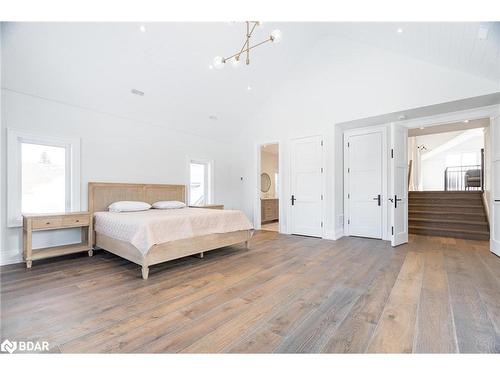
column 458, row 214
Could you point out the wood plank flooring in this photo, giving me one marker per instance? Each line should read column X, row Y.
column 287, row 294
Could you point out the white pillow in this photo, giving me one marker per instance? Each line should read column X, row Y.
column 164, row 205
column 128, row 206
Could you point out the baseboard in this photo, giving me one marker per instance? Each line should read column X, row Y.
column 329, row 235
column 10, row 257
column 339, row 233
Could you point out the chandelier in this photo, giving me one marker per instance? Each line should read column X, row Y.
column 235, row 59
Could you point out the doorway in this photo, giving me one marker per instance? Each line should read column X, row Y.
column 269, row 187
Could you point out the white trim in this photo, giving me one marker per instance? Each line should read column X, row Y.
column 209, row 174
column 257, row 224
column 385, row 158
column 14, row 136
column 450, row 117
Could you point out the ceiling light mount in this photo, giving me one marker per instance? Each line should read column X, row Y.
column 244, row 52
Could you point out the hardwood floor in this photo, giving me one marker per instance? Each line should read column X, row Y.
column 285, row 294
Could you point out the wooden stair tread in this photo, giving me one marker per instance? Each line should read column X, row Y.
column 446, row 213
column 469, row 231
column 454, row 221
column 446, row 205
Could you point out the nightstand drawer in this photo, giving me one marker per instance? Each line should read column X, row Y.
column 75, row 220
column 46, row 222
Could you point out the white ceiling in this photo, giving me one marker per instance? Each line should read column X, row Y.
column 451, row 44
column 451, row 127
column 95, row 65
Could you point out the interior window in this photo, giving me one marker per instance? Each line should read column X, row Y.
column 199, row 183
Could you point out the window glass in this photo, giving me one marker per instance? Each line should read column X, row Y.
column 43, row 178
column 198, row 184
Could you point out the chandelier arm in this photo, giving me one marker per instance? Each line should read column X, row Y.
column 248, row 49
column 247, row 39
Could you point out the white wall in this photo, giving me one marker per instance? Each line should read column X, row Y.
column 112, row 150
column 338, row 81
column 432, row 168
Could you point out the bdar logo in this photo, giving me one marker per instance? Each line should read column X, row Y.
column 8, row 346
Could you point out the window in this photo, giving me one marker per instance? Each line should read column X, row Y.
column 43, row 175
column 200, row 182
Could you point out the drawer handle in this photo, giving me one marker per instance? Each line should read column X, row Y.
column 78, row 221
column 47, row 223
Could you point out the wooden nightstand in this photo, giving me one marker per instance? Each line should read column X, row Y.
column 35, row 223
column 211, row 206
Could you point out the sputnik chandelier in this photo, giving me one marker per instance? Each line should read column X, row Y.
column 235, row 59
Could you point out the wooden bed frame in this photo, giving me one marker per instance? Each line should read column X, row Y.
column 102, row 194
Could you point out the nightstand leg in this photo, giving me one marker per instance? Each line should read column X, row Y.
column 28, row 264
column 145, row 272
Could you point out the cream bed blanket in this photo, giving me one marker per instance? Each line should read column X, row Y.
column 144, row 229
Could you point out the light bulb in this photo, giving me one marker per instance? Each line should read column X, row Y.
column 219, row 62
column 276, row 36
column 142, row 28
column 236, row 62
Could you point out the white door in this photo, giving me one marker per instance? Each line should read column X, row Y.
column 306, row 188
column 495, row 186
column 399, row 185
column 364, row 184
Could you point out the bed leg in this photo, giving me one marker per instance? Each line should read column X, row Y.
column 91, row 252
column 199, row 255
column 145, row 272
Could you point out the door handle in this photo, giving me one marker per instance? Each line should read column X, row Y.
column 293, row 199
column 377, row 199
column 396, row 199
column 497, row 200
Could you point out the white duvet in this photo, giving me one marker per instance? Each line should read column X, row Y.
column 147, row 228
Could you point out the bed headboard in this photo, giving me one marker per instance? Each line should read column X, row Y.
column 102, row 194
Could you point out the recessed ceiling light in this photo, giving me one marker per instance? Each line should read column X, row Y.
column 399, row 30
column 213, row 117
column 402, row 117
column 482, row 33
column 466, row 121
column 422, row 127
column 142, row 28
column 137, row 92
column 210, row 67
column 249, row 88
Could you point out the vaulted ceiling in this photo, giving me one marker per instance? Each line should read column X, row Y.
column 95, row 65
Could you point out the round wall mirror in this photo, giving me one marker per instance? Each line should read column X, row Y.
column 265, row 182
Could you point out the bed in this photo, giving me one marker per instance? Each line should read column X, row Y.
column 156, row 236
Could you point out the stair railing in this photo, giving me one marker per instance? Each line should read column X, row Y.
column 464, row 178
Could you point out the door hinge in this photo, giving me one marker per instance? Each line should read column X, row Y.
column 392, row 231
column 348, row 196
column 348, row 221
column 321, row 170
column 321, row 143
column 321, row 224
column 392, row 153
column 348, row 144
column 348, row 170
column 321, row 196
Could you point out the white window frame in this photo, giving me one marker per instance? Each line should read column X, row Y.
column 209, row 175
column 14, row 170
